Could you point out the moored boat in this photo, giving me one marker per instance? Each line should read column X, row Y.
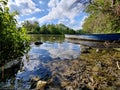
column 95, row 37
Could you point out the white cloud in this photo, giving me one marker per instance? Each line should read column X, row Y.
column 62, row 9
column 75, row 25
column 65, row 11
column 40, row 2
column 31, row 19
column 79, row 26
column 63, row 21
column 53, row 3
column 82, row 21
column 24, row 7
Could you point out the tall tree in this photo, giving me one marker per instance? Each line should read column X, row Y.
column 104, row 16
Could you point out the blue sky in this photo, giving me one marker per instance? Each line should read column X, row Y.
column 68, row 12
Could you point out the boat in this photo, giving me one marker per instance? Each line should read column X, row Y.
column 95, row 37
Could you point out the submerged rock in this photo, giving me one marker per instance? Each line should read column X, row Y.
column 95, row 69
column 37, row 78
column 34, row 81
column 41, row 85
column 37, row 83
column 69, row 88
column 85, row 49
column 38, row 43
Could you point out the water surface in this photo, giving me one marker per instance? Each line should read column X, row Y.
column 33, row 64
column 56, row 58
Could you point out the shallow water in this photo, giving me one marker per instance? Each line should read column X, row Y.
column 33, row 64
column 54, row 58
column 39, row 56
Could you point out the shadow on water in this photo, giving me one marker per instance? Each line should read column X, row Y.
column 7, row 74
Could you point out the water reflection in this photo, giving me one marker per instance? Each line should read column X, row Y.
column 95, row 44
column 42, row 60
column 44, row 38
column 47, row 52
column 39, row 56
column 34, row 63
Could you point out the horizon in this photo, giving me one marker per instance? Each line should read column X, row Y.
column 70, row 13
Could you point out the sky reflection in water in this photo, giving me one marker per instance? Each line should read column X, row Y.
column 51, row 51
column 40, row 55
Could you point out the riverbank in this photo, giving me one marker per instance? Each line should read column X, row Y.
column 96, row 70
column 65, row 66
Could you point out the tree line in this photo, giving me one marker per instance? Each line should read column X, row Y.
column 103, row 17
column 61, row 29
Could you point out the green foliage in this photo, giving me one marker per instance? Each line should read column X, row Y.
column 34, row 28
column 31, row 26
column 81, row 32
column 104, row 17
column 13, row 41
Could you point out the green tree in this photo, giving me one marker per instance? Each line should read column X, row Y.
column 31, row 27
column 34, row 28
column 104, row 16
column 27, row 25
column 13, row 41
column 44, row 30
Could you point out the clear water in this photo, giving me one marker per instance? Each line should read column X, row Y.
column 33, row 64
column 38, row 62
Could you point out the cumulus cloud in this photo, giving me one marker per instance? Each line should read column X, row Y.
column 53, row 3
column 75, row 25
column 78, row 25
column 62, row 9
column 24, row 7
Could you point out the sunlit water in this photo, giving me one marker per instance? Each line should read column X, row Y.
column 54, row 48
column 36, row 63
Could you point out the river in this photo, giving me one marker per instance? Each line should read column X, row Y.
column 56, row 61
column 54, row 48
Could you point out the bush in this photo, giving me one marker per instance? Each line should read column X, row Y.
column 13, row 41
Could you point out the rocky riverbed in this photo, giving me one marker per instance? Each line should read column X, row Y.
column 97, row 70
column 94, row 69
